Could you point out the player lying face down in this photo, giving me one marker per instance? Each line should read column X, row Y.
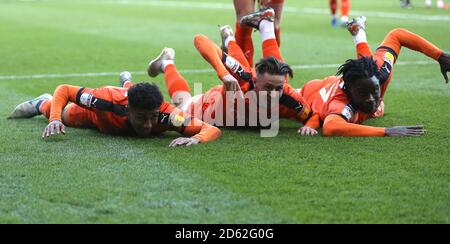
column 361, row 84
column 131, row 110
column 271, row 75
column 341, row 103
column 268, row 75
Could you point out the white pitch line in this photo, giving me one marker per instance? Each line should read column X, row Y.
column 288, row 9
column 192, row 71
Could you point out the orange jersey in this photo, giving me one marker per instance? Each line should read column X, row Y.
column 106, row 110
column 292, row 105
column 326, row 97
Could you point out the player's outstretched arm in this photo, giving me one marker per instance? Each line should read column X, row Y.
column 416, row 130
column 311, row 126
column 196, row 132
column 63, row 94
column 335, row 125
column 54, row 127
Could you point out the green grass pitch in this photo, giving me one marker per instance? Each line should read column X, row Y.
column 88, row 177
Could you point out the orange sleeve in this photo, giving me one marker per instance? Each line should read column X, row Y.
column 211, row 53
column 63, row 94
column 314, row 121
column 202, row 131
column 295, row 104
column 399, row 37
column 177, row 120
column 363, row 50
column 335, row 125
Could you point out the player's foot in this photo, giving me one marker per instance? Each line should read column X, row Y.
column 356, row 24
column 334, row 21
column 225, row 32
column 156, row 66
column 255, row 18
column 344, row 21
column 29, row 108
column 124, row 77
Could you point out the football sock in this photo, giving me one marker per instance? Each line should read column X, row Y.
column 174, row 81
column 244, row 40
column 403, row 38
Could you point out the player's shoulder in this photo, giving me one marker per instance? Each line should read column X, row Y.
column 118, row 95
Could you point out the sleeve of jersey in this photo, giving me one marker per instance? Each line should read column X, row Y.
column 363, row 50
column 335, row 125
column 239, row 71
column 202, row 131
column 295, row 103
column 63, row 94
column 188, row 126
column 314, row 121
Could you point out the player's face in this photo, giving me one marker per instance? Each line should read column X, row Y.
column 268, row 83
column 142, row 120
column 365, row 94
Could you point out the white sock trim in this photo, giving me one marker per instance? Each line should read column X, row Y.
column 165, row 63
column 229, row 38
column 360, row 37
column 267, row 30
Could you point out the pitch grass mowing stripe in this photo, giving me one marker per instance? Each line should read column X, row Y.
column 320, row 11
column 124, row 181
column 192, row 71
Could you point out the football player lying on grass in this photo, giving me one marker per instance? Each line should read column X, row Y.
column 130, row 110
column 269, row 75
column 341, row 103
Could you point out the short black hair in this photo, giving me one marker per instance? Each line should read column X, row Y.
column 145, row 96
column 356, row 69
column 273, row 66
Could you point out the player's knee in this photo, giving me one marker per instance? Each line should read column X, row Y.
column 198, row 39
column 61, row 87
column 397, row 31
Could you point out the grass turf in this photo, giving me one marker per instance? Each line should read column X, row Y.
column 241, row 178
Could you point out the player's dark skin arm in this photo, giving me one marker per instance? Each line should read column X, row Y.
column 417, row 130
column 335, row 125
column 444, row 62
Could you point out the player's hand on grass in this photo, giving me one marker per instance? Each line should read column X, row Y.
column 54, row 127
column 184, row 141
column 307, row 131
column 417, row 130
column 444, row 62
